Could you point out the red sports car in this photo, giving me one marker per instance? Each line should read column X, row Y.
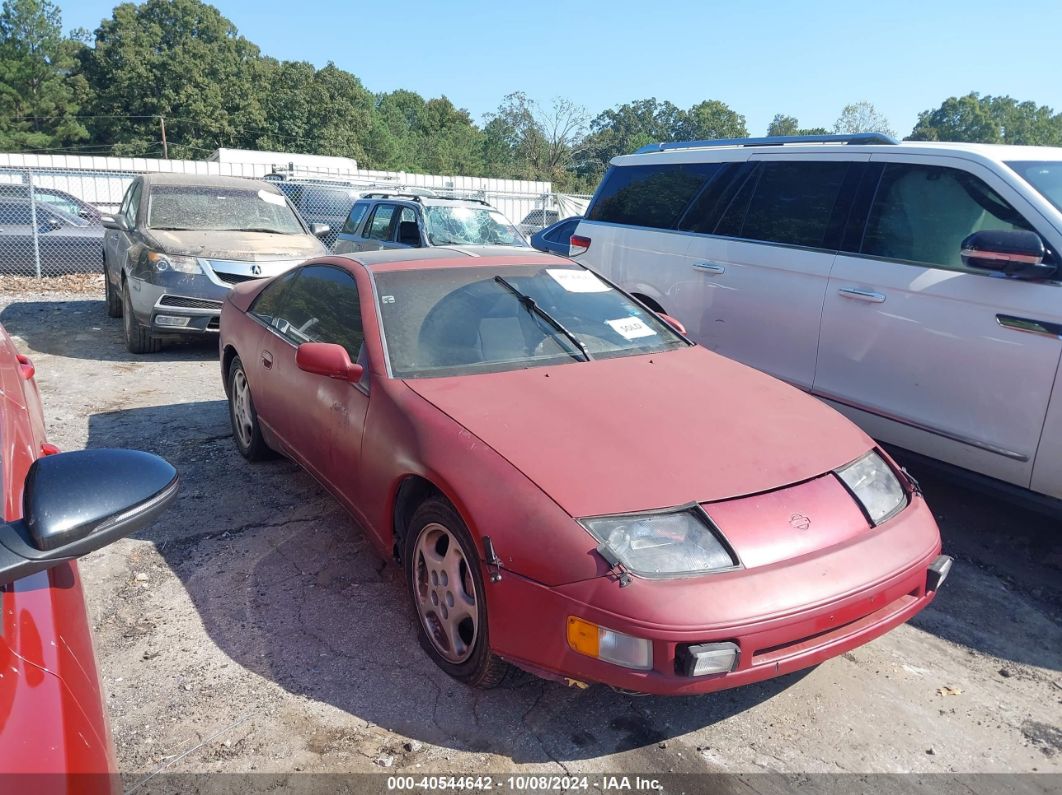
column 571, row 485
column 57, row 507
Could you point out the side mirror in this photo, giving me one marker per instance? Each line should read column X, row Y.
column 320, row 229
column 1016, row 253
column 329, row 359
column 75, row 503
column 50, row 224
column 113, row 222
column 681, row 329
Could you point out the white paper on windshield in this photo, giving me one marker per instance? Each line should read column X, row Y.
column 272, row 198
column 577, row 281
column 631, row 328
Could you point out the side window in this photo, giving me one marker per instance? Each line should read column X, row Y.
column 788, row 202
column 562, row 233
column 321, row 305
column 16, row 214
column 268, row 305
column 923, row 213
column 357, row 215
column 133, row 210
column 123, row 209
column 380, row 224
column 654, row 195
column 407, row 231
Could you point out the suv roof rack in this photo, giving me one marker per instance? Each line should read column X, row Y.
column 774, row 140
column 419, row 197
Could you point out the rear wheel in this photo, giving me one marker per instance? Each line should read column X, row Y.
column 446, row 586
column 137, row 338
column 245, row 428
column 114, row 299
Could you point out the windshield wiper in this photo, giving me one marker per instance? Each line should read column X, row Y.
column 532, row 307
column 254, row 229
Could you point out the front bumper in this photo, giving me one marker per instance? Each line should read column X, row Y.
column 783, row 617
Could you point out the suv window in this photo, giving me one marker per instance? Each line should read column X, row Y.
column 923, row 213
column 319, row 305
column 380, row 223
column 353, row 222
column 786, row 202
column 655, row 195
column 134, row 204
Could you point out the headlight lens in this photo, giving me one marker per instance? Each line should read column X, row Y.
column 876, row 487
column 171, row 262
column 655, row 545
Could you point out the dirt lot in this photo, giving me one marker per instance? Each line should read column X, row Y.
column 254, row 628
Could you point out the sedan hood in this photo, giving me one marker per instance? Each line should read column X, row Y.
column 645, row 432
column 247, row 246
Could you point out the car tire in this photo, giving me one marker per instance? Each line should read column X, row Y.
column 114, row 299
column 245, row 428
column 446, row 586
column 137, row 338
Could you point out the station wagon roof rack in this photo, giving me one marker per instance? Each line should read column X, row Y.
column 419, row 197
column 773, row 140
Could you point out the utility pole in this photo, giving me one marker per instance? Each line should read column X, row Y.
column 165, row 147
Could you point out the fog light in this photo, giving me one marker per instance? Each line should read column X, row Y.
column 937, row 572
column 171, row 320
column 706, row 658
column 608, row 645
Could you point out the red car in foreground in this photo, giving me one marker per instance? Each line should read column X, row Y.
column 571, row 485
column 57, row 507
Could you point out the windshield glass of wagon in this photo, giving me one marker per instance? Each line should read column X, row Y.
column 453, row 321
column 469, row 226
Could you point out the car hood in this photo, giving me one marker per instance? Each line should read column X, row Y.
column 651, row 431
column 248, row 246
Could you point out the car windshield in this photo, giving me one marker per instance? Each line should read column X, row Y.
column 456, row 321
column 201, row 207
column 469, row 226
column 1045, row 176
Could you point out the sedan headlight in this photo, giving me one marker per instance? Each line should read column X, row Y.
column 875, row 487
column 682, row 541
column 172, row 262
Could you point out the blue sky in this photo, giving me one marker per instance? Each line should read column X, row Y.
column 806, row 59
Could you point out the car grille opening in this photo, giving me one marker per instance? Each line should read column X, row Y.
column 214, row 324
column 188, row 303
column 234, row 278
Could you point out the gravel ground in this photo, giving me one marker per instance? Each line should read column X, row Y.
column 254, row 628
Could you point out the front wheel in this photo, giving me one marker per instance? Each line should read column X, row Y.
column 446, row 586
column 114, row 300
column 137, row 338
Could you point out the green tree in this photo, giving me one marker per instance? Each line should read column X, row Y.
column 862, row 117
column 524, row 140
column 711, row 119
column 783, row 125
column 180, row 59
column 986, row 119
column 39, row 95
column 624, row 129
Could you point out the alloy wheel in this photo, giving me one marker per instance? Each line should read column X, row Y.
column 445, row 593
column 241, row 408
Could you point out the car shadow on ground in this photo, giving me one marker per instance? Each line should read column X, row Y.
column 82, row 330
column 287, row 587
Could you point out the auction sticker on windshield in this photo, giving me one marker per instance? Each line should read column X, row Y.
column 272, row 198
column 577, row 281
column 631, row 328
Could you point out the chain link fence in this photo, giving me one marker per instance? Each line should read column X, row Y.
column 51, row 219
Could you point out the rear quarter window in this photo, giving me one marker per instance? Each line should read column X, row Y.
column 354, row 219
column 655, row 195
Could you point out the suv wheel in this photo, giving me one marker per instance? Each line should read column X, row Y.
column 114, row 300
column 137, row 338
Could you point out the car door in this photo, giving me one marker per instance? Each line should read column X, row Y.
column 349, row 237
column 923, row 352
column 318, row 420
column 118, row 241
column 380, row 228
column 760, row 259
column 16, row 237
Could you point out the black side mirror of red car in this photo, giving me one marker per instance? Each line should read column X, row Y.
column 329, row 359
column 75, row 503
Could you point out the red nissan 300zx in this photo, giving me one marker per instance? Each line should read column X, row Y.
column 570, row 484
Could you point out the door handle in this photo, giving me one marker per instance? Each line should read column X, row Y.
column 1030, row 325
column 858, row 294
column 710, row 267
column 267, row 360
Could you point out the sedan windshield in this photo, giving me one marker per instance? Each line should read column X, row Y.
column 469, row 226
column 1045, row 176
column 454, row 321
column 200, row 207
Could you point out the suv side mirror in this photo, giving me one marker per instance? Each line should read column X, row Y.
column 329, row 359
column 75, row 503
column 1017, row 253
column 320, row 229
column 113, row 222
column 50, row 223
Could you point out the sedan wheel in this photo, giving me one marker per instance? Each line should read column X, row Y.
column 245, row 428
column 445, row 582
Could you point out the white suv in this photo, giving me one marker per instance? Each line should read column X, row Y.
column 914, row 286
